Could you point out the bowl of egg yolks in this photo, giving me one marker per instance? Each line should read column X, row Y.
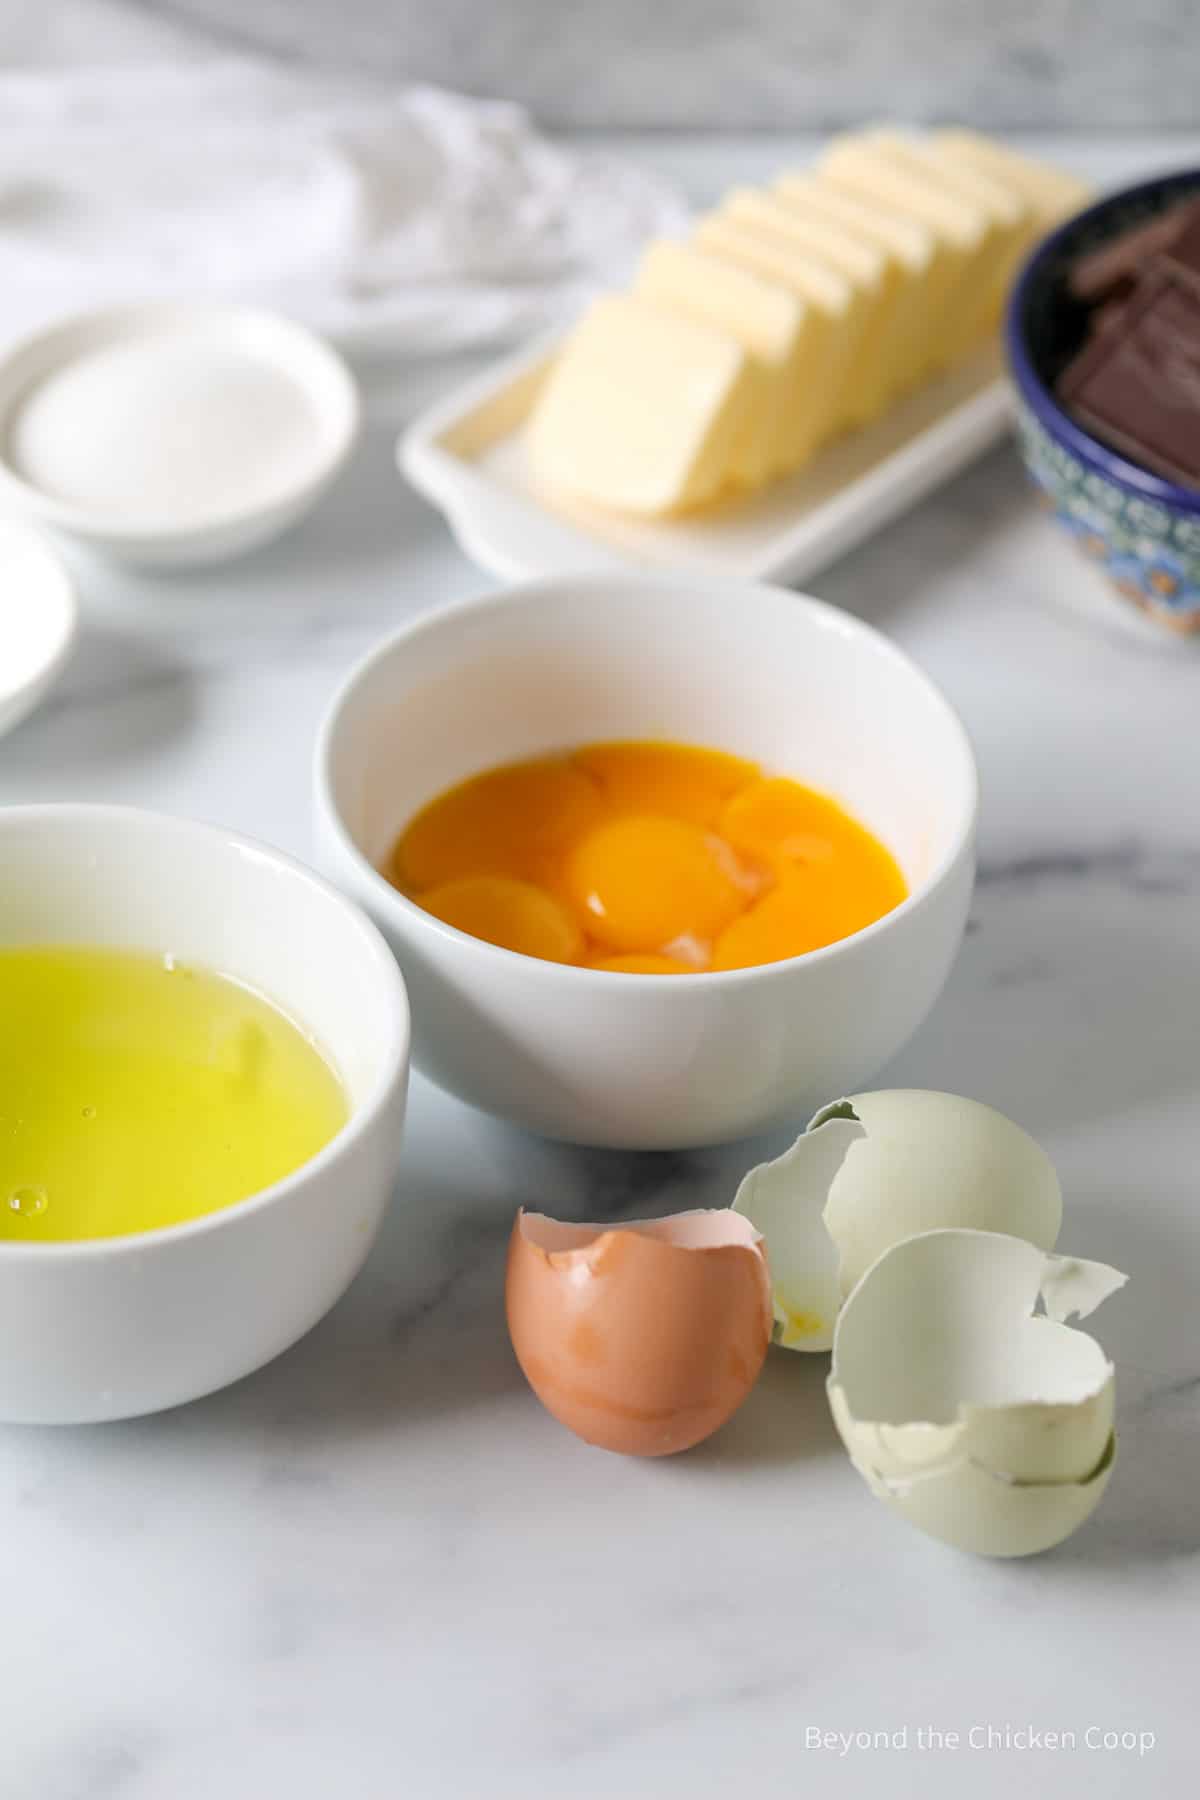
column 664, row 861
column 203, row 1070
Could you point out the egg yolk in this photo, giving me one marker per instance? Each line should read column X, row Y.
column 641, row 883
column 645, row 859
column 513, row 914
column 516, row 821
column 781, row 822
column 832, row 876
column 675, row 781
column 805, row 910
column 646, row 964
column 786, row 922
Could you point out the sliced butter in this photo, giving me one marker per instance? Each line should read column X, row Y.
column 1003, row 214
column 911, row 270
column 863, row 264
column 832, row 298
column 642, row 411
column 1051, row 194
column 914, row 247
column 869, row 165
column 911, row 244
column 791, row 314
column 1009, row 212
column 913, row 250
column 772, row 324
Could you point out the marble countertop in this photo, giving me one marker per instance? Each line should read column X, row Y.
column 377, row 1568
column 761, row 64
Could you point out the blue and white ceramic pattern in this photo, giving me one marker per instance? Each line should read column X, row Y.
column 1143, row 530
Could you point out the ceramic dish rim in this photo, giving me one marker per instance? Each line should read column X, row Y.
column 394, row 1061
column 828, row 617
column 52, row 667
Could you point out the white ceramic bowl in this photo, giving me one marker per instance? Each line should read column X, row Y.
column 39, row 619
column 111, row 1327
column 188, row 531
column 655, row 1061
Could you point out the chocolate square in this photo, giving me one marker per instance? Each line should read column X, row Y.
column 1115, row 266
column 1182, row 254
column 1136, row 385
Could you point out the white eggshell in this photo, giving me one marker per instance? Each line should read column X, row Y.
column 927, row 1161
column 981, row 1421
column 971, row 1509
column 875, row 1169
column 785, row 1202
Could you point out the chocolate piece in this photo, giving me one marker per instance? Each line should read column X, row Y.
column 1137, row 384
column 1117, row 264
column 1182, row 255
column 1103, row 318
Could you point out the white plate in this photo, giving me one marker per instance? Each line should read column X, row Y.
column 467, row 455
column 37, row 621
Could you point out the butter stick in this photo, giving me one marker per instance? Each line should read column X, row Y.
column 862, row 263
column 643, row 411
column 771, row 322
column 1007, row 209
column 868, row 164
column 918, row 274
column 828, row 293
column 1051, row 194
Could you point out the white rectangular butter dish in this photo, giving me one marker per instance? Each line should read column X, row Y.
column 466, row 454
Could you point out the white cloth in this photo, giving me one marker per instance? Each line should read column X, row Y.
column 416, row 222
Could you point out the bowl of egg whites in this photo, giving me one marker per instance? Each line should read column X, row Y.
column 172, row 1226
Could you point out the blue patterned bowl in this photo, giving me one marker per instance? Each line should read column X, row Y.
column 1142, row 530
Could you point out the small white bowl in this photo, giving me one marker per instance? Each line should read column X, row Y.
column 126, row 451
column 38, row 622
column 108, row 1328
column 645, row 1061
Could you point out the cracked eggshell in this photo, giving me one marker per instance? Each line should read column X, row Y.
column 984, row 1423
column 875, row 1169
column 642, row 1337
column 927, row 1161
column 785, row 1199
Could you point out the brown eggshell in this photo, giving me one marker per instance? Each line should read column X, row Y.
column 641, row 1338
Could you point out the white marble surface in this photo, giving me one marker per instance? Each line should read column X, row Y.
column 377, row 1569
column 759, row 65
